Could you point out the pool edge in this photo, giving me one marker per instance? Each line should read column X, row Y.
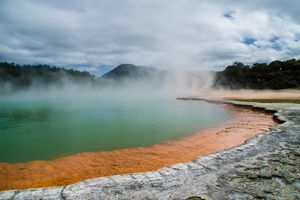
column 184, row 179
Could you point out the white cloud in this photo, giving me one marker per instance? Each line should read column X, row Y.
column 181, row 34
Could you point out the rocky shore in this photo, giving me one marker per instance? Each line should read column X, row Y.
column 265, row 167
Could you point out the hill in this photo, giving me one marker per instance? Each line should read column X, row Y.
column 132, row 72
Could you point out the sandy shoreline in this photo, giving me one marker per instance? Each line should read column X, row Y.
column 252, row 95
column 66, row 170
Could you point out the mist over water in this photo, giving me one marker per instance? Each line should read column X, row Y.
column 176, row 81
column 49, row 122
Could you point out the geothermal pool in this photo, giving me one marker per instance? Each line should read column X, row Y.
column 43, row 126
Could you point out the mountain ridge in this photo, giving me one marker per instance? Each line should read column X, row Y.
column 274, row 75
column 131, row 71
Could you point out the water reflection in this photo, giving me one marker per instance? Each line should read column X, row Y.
column 17, row 116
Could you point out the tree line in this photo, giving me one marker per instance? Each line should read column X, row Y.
column 273, row 75
column 16, row 76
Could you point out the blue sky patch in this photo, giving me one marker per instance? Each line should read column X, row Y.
column 80, row 65
column 275, row 43
column 274, row 39
column 104, row 68
column 297, row 37
column 98, row 69
column 229, row 15
column 249, row 40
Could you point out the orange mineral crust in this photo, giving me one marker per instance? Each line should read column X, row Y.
column 70, row 169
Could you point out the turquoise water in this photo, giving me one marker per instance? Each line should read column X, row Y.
column 46, row 126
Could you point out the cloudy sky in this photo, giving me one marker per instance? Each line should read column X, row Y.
column 95, row 35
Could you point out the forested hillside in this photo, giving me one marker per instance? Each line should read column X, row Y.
column 275, row 75
column 17, row 76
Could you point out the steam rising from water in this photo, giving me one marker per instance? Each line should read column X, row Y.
column 160, row 83
column 42, row 122
column 176, row 82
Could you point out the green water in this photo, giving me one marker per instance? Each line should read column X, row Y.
column 41, row 127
